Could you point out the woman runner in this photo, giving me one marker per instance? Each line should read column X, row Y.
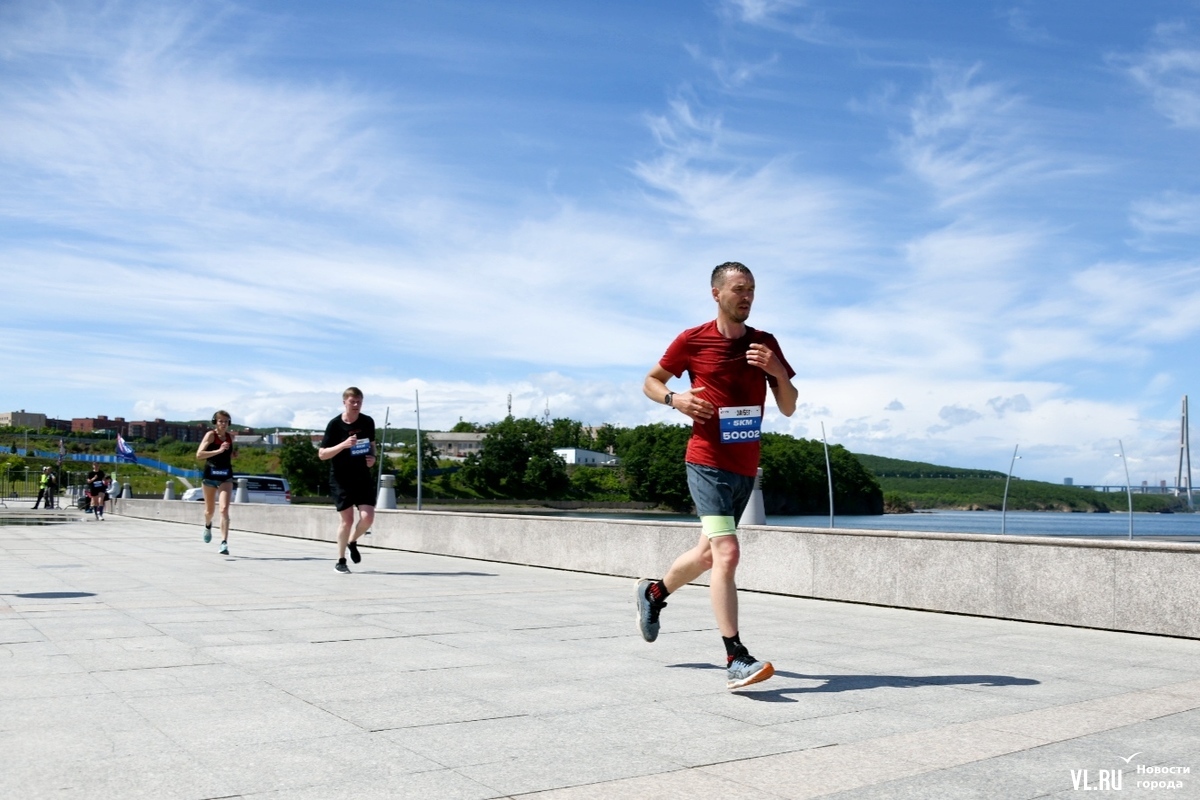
column 216, row 451
column 95, row 490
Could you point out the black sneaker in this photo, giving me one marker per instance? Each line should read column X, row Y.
column 647, row 610
column 342, row 568
column 355, row 556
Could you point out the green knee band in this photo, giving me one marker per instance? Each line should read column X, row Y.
column 718, row 526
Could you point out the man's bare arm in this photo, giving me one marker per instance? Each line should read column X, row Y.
column 687, row 402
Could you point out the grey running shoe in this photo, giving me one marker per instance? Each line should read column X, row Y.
column 207, row 534
column 647, row 610
column 224, row 549
column 355, row 556
column 745, row 670
column 342, row 568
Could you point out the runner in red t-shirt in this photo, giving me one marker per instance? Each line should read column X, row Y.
column 730, row 365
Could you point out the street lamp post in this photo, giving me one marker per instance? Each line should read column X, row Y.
column 1007, row 481
column 828, row 473
column 1128, row 486
column 382, row 449
column 417, row 395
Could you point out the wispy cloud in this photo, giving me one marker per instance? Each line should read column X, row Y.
column 1169, row 70
column 968, row 138
column 1170, row 213
column 1022, row 25
column 802, row 19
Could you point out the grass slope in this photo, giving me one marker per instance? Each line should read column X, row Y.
column 925, row 486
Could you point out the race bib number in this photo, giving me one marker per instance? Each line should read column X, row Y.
column 219, row 473
column 361, row 448
column 740, row 424
column 97, row 484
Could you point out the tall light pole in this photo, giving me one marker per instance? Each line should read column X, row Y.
column 1183, row 478
column 828, row 473
column 417, row 394
column 1007, row 481
column 382, row 448
column 1128, row 487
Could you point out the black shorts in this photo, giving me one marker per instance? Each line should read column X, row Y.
column 356, row 493
column 95, row 492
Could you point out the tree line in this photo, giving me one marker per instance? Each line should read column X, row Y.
column 518, row 462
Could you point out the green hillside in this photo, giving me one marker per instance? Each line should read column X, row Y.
column 918, row 486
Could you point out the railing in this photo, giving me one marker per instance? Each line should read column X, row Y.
column 107, row 459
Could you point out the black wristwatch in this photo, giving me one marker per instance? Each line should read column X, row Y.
column 668, row 400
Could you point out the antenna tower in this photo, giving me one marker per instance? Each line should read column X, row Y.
column 1183, row 477
column 510, row 404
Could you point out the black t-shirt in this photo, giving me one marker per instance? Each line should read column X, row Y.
column 349, row 466
column 95, row 480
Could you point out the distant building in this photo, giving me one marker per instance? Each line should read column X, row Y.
column 279, row 437
column 1068, row 481
column 455, row 445
column 97, row 424
column 153, row 430
column 150, row 430
column 587, row 458
column 21, row 419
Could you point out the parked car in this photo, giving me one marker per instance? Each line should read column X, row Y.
column 259, row 488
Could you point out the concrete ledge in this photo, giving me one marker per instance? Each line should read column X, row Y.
column 1142, row 587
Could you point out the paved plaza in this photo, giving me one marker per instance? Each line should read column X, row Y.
column 136, row 662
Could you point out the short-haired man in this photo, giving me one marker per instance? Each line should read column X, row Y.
column 349, row 446
column 730, row 366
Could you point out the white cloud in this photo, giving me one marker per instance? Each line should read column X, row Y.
column 968, row 139
column 1169, row 70
column 1168, row 213
column 1018, row 404
column 1022, row 26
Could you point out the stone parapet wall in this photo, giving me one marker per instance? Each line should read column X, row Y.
column 1144, row 587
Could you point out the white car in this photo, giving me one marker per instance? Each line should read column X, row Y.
column 260, row 488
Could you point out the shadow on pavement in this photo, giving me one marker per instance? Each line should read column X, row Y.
column 429, row 574
column 852, row 683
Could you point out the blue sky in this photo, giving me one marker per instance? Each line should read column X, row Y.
column 972, row 225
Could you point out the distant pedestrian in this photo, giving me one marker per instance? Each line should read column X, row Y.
column 730, row 366
column 95, row 490
column 43, row 489
column 51, row 488
column 216, row 451
column 349, row 446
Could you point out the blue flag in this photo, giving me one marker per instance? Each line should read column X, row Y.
column 124, row 451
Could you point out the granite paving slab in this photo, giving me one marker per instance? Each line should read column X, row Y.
column 136, row 662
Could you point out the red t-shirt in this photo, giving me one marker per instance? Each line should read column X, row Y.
column 729, row 440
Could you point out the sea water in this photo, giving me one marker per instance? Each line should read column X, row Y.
column 1175, row 527
column 1154, row 527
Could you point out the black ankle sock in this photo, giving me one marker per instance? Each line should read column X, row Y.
column 657, row 591
column 733, row 646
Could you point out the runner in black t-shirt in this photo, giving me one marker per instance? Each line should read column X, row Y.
column 95, row 490
column 349, row 446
